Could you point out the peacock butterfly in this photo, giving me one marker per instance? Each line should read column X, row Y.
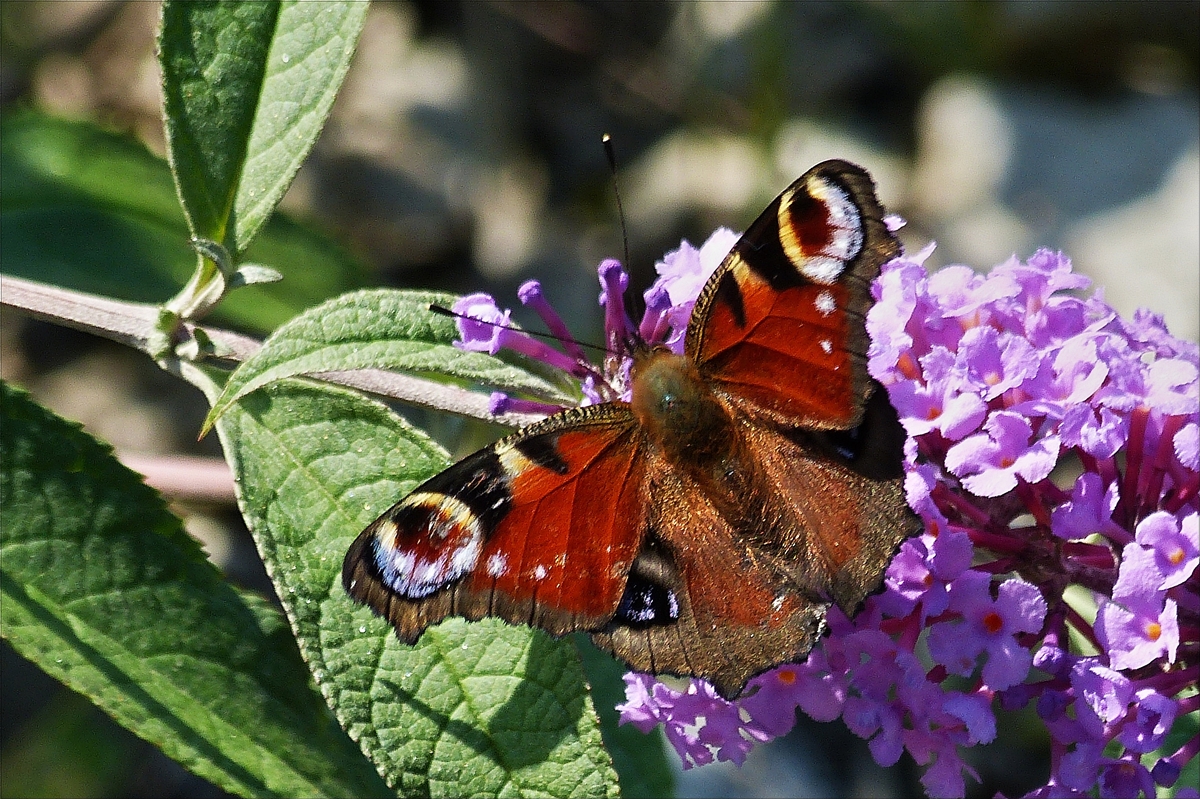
column 704, row 527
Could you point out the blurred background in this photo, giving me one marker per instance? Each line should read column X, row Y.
column 464, row 154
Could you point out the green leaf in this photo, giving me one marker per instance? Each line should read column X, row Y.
column 84, row 208
column 375, row 328
column 472, row 709
column 104, row 590
column 246, row 90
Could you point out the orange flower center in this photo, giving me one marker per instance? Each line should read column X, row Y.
column 908, row 367
column 992, row 622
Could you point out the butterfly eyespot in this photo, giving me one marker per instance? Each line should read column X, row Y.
column 646, row 604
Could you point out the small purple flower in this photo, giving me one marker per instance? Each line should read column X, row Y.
column 1148, row 332
column 944, row 777
column 892, row 346
column 940, row 404
column 910, row 580
column 480, row 323
column 988, row 626
column 924, row 570
column 1136, row 626
column 772, row 697
column 484, row 328
column 1147, row 728
column 1105, row 693
column 880, row 724
column 962, row 293
column 1064, row 380
column 1123, row 778
column 1174, row 544
column 991, row 462
column 994, row 363
column 1096, row 431
column 698, row 723
column 1088, row 511
column 640, row 709
column 975, row 712
column 1079, row 769
column 682, row 273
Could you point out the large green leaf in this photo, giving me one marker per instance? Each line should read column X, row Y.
column 246, row 90
column 379, row 329
column 103, row 589
column 472, row 709
column 85, row 208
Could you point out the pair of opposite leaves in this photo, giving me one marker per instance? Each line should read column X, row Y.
column 704, row 527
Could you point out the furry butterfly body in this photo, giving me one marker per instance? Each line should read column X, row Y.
column 704, row 527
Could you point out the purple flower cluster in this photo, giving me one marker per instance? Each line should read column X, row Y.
column 1054, row 456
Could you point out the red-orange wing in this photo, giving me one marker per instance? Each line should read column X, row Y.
column 540, row 528
column 780, row 326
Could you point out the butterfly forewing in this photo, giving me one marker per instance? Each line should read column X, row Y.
column 539, row 528
column 780, row 327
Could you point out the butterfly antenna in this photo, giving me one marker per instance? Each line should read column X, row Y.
column 444, row 311
column 611, row 154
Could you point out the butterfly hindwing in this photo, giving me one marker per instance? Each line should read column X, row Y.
column 748, row 567
column 731, row 614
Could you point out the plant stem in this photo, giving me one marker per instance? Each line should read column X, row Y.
column 134, row 324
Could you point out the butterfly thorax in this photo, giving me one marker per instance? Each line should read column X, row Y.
column 678, row 411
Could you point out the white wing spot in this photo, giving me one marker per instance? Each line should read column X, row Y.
column 822, row 268
column 826, row 346
column 825, row 303
column 540, row 572
column 497, row 565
